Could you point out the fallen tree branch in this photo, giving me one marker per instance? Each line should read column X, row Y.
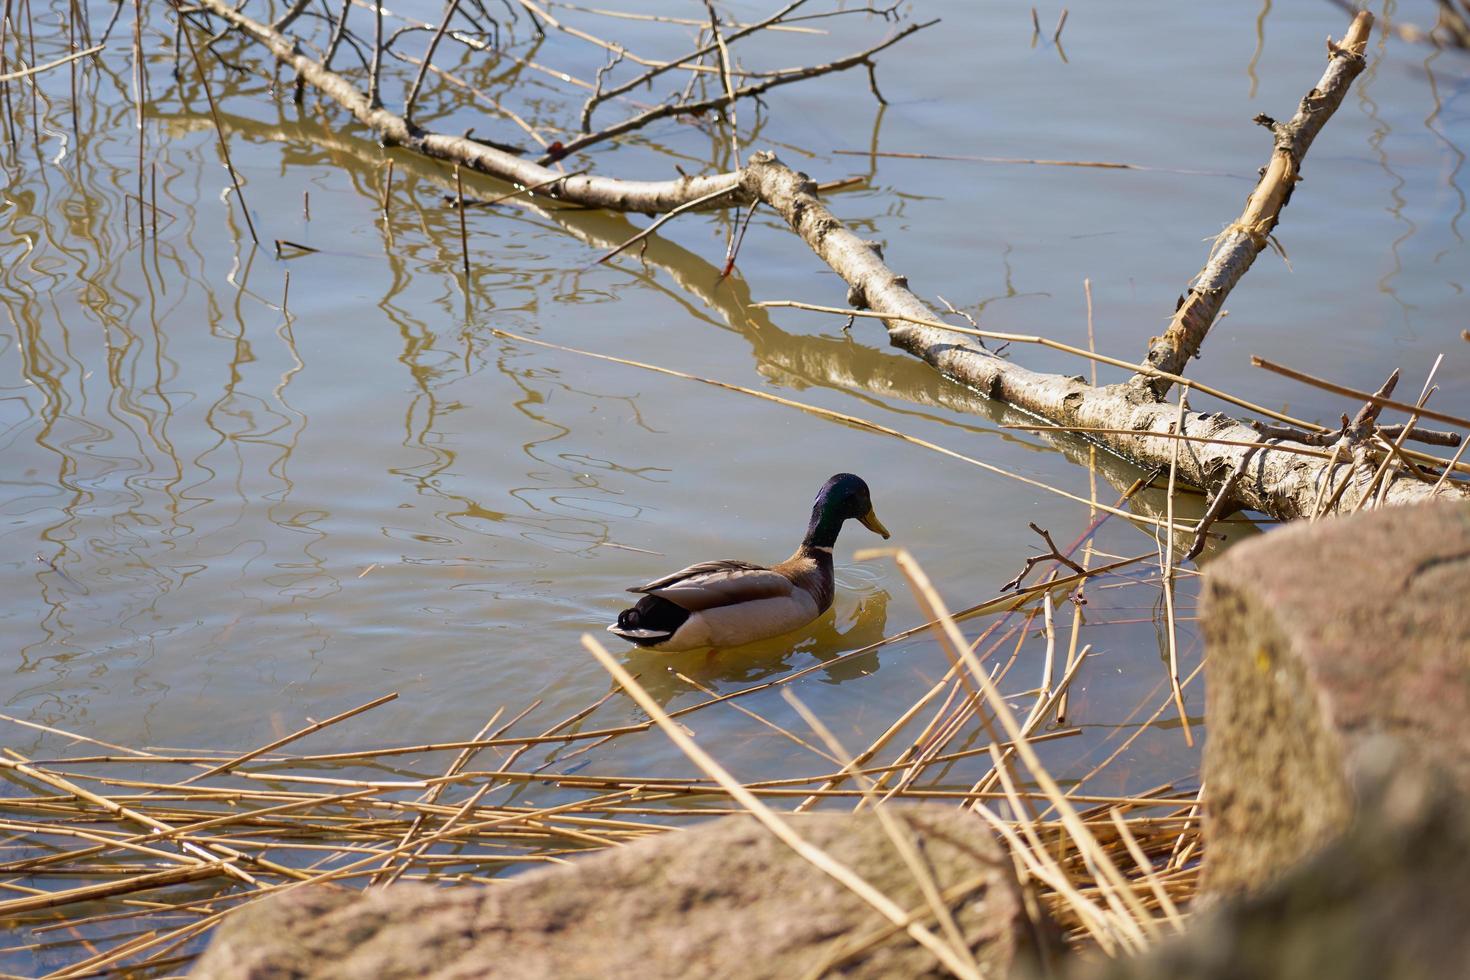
column 1285, row 485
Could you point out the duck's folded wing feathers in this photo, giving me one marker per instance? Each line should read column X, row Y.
column 718, row 583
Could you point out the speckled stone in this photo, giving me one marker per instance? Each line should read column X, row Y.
column 1320, row 638
column 724, row 899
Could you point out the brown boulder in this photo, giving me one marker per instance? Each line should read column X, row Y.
column 1322, row 637
column 724, row 899
column 1384, row 902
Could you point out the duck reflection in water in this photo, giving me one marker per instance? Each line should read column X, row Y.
column 854, row 623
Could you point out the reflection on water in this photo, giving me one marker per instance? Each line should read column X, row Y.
column 856, row 622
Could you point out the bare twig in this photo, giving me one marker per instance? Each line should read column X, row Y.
column 418, row 80
column 720, row 101
column 224, row 147
column 1052, row 555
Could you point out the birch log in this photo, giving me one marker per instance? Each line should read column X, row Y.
column 1283, row 484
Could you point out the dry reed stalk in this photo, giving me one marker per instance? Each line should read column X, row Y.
column 1146, row 866
column 200, row 855
column 898, row 835
column 1103, row 431
column 38, row 69
column 1364, row 396
column 1167, row 703
column 1020, row 338
column 766, row 722
column 1177, row 854
column 314, row 727
column 491, row 783
column 882, row 740
column 1453, row 464
column 953, row 642
column 1040, row 866
column 1396, row 447
column 460, row 761
column 88, row 893
column 1128, row 933
column 1166, row 572
column 1037, row 716
column 190, row 828
column 224, row 146
column 80, row 738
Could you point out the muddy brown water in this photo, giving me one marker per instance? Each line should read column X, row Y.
column 221, row 518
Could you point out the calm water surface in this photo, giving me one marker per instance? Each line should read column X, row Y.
column 225, row 509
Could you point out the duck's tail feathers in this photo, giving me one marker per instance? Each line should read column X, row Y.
column 652, row 621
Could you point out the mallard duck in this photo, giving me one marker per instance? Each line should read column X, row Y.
column 730, row 603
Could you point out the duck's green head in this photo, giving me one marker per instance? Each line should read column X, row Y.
column 841, row 498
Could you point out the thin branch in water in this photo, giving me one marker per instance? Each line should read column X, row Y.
column 531, row 190
column 339, row 27
column 418, row 80
column 1221, row 503
column 1052, row 555
column 219, row 132
column 464, row 238
column 719, row 102
column 1167, row 571
column 662, row 219
column 732, row 248
column 724, row 63
column 375, row 72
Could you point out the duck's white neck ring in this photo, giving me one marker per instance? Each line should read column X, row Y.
column 818, row 547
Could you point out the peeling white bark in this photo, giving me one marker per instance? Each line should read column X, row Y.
column 1283, row 484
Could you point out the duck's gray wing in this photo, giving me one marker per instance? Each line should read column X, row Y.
column 718, row 583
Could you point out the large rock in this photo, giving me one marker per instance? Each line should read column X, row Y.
column 1322, row 637
column 1384, row 902
column 724, row 899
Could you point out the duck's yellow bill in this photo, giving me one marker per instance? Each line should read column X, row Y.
column 871, row 522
